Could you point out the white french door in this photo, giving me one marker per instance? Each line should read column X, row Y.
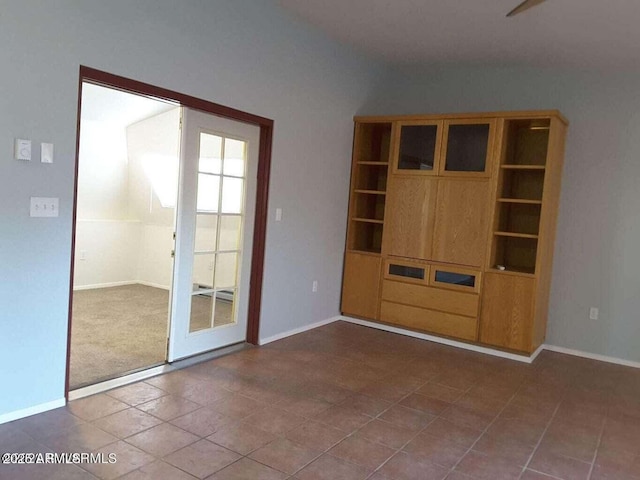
column 214, row 233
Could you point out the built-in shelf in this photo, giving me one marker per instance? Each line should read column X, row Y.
column 519, row 271
column 523, row 167
column 522, row 201
column 371, row 192
column 515, row 235
column 372, row 163
column 368, row 220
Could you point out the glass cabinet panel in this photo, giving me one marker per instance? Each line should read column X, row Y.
column 418, row 147
column 467, row 147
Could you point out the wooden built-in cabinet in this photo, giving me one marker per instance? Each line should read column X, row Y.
column 452, row 224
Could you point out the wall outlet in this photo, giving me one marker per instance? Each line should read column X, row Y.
column 314, row 286
column 278, row 214
column 594, row 313
column 82, row 255
column 211, row 265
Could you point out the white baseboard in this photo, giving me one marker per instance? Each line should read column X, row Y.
column 443, row 341
column 151, row 284
column 295, row 331
column 592, row 356
column 104, row 285
column 120, row 284
column 27, row 412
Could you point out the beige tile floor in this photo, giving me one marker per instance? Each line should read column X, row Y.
column 349, row 402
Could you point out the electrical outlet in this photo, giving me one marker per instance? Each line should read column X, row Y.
column 211, row 265
column 83, row 255
column 314, row 286
column 594, row 313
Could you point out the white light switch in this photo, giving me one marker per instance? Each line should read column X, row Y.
column 44, row 207
column 278, row 214
column 46, row 152
column 22, row 149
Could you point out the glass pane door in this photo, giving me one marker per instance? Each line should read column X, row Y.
column 214, row 233
column 467, row 145
column 220, row 198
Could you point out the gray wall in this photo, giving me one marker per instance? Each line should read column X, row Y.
column 597, row 255
column 241, row 53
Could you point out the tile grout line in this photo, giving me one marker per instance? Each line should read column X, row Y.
column 595, row 454
column 484, row 431
column 418, row 432
column 376, row 417
column 526, row 465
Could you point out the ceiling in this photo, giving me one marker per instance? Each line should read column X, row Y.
column 118, row 108
column 573, row 33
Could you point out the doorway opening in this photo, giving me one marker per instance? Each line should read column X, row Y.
column 125, row 216
column 169, row 228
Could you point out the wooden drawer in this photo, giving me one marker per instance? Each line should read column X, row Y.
column 430, row 297
column 442, row 323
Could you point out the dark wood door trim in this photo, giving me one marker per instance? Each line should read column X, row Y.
column 99, row 77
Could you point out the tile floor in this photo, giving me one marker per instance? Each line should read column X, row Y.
column 349, row 402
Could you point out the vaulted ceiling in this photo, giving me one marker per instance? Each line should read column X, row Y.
column 574, row 33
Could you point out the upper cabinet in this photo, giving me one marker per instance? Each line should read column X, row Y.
column 417, row 147
column 467, row 147
column 460, row 147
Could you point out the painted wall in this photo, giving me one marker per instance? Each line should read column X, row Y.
column 154, row 139
column 597, row 260
column 243, row 53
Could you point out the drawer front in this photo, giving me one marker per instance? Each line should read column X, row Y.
column 429, row 297
column 442, row 323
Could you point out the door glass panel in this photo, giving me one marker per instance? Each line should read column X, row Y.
column 206, row 228
column 203, row 271
column 217, row 237
column 208, row 192
column 234, row 157
column 230, row 226
column 224, row 313
column 232, row 194
column 226, row 270
column 201, row 312
column 210, row 153
column 417, row 147
column 467, row 148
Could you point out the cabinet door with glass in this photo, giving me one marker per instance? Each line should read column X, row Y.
column 417, row 147
column 466, row 147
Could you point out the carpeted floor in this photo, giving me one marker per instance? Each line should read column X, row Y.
column 119, row 329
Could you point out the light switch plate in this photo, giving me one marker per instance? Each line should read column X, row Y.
column 44, row 207
column 46, row 152
column 22, row 149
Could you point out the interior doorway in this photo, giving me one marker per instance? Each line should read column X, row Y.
column 125, row 217
column 169, row 228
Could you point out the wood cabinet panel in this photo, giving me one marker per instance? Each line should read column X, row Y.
column 409, row 225
column 429, row 320
column 432, row 298
column 461, row 221
column 506, row 318
column 361, row 285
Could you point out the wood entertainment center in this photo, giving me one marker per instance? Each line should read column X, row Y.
column 452, row 222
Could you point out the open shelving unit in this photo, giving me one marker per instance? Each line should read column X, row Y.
column 369, row 184
column 519, row 201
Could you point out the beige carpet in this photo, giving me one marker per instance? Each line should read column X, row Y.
column 122, row 329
